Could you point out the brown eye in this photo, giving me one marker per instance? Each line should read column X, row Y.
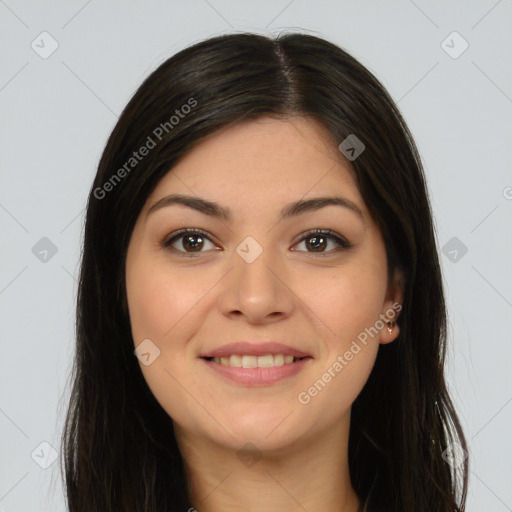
column 194, row 242
column 317, row 243
column 187, row 241
column 318, row 240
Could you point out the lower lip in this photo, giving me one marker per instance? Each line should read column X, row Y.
column 258, row 376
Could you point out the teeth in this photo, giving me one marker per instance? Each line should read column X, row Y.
column 233, row 361
column 278, row 360
column 265, row 361
column 249, row 361
column 244, row 361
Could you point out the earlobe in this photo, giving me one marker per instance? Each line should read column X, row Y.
column 391, row 310
column 389, row 333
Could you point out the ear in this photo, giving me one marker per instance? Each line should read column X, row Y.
column 392, row 307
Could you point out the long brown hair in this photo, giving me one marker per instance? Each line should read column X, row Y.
column 118, row 446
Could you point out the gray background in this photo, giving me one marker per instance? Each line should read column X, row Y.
column 56, row 115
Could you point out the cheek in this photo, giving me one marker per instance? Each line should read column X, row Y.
column 161, row 301
column 331, row 394
column 347, row 311
column 148, row 299
column 163, row 307
column 345, row 302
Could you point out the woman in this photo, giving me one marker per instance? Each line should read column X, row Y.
column 261, row 322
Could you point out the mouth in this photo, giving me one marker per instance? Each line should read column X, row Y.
column 256, row 371
column 250, row 361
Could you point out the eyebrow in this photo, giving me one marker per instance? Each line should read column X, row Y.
column 217, row 211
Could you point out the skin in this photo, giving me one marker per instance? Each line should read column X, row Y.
column 315, row 301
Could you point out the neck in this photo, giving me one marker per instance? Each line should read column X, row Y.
column 311, row 474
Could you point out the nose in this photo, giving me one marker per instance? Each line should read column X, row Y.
column 257, row 290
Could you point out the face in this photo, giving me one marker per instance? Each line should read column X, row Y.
column 258, row 275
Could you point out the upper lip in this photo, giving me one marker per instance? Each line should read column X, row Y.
column 255, row 349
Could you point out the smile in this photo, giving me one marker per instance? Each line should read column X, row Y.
column 249, row 361
column 252, row 370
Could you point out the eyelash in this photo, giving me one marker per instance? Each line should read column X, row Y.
column 327, row 233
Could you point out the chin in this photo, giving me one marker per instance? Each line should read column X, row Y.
column 268, row 430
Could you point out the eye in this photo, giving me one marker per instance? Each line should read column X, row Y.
column 193, row 239
column 319, row 238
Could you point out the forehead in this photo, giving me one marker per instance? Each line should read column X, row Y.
column 264, row 161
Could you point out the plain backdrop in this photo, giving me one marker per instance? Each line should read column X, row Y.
column 68, row 69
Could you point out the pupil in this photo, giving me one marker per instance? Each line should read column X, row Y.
column 316, row 242
column 190, row 240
